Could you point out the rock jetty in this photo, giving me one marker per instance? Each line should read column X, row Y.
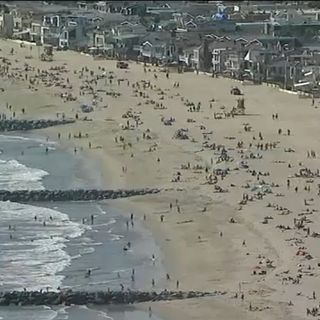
column 23, row 125
column 71, row 195
column 98, row 298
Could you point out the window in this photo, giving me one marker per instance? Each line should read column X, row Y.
column 99, row 41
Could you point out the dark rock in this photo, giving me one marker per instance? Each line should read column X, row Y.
column 23, row 125
column 83, row 298
column 70, row 195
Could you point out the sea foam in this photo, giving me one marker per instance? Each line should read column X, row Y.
column 35, row 255
column 16, row 176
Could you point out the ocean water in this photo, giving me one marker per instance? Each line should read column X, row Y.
column 74, row 313
column 32, row 254
column 52, row 245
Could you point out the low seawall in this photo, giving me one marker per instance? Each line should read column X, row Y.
column 23, row 125
column 98, row 298
column 71, row 195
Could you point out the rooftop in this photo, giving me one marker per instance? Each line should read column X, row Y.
column 126, row 36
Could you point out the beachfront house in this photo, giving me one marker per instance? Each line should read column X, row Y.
column 100, row 38
column 7, row 25
column 185, row 56
column 186, row 43
column 235, row 63
column 158, row 50
column 36, row 31
column 125, row 46
column 61, row 31
column 158, row 46
column 279, row 71
column 250, row 59
column 221, row 48
column 6, row 21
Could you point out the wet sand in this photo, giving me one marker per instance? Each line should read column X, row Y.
column 265, row 253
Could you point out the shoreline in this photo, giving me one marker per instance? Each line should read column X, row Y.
column 34, row 138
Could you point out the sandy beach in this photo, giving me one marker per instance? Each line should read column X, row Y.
column 238, row 210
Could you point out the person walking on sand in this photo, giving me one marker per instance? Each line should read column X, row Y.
column 177, row 284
